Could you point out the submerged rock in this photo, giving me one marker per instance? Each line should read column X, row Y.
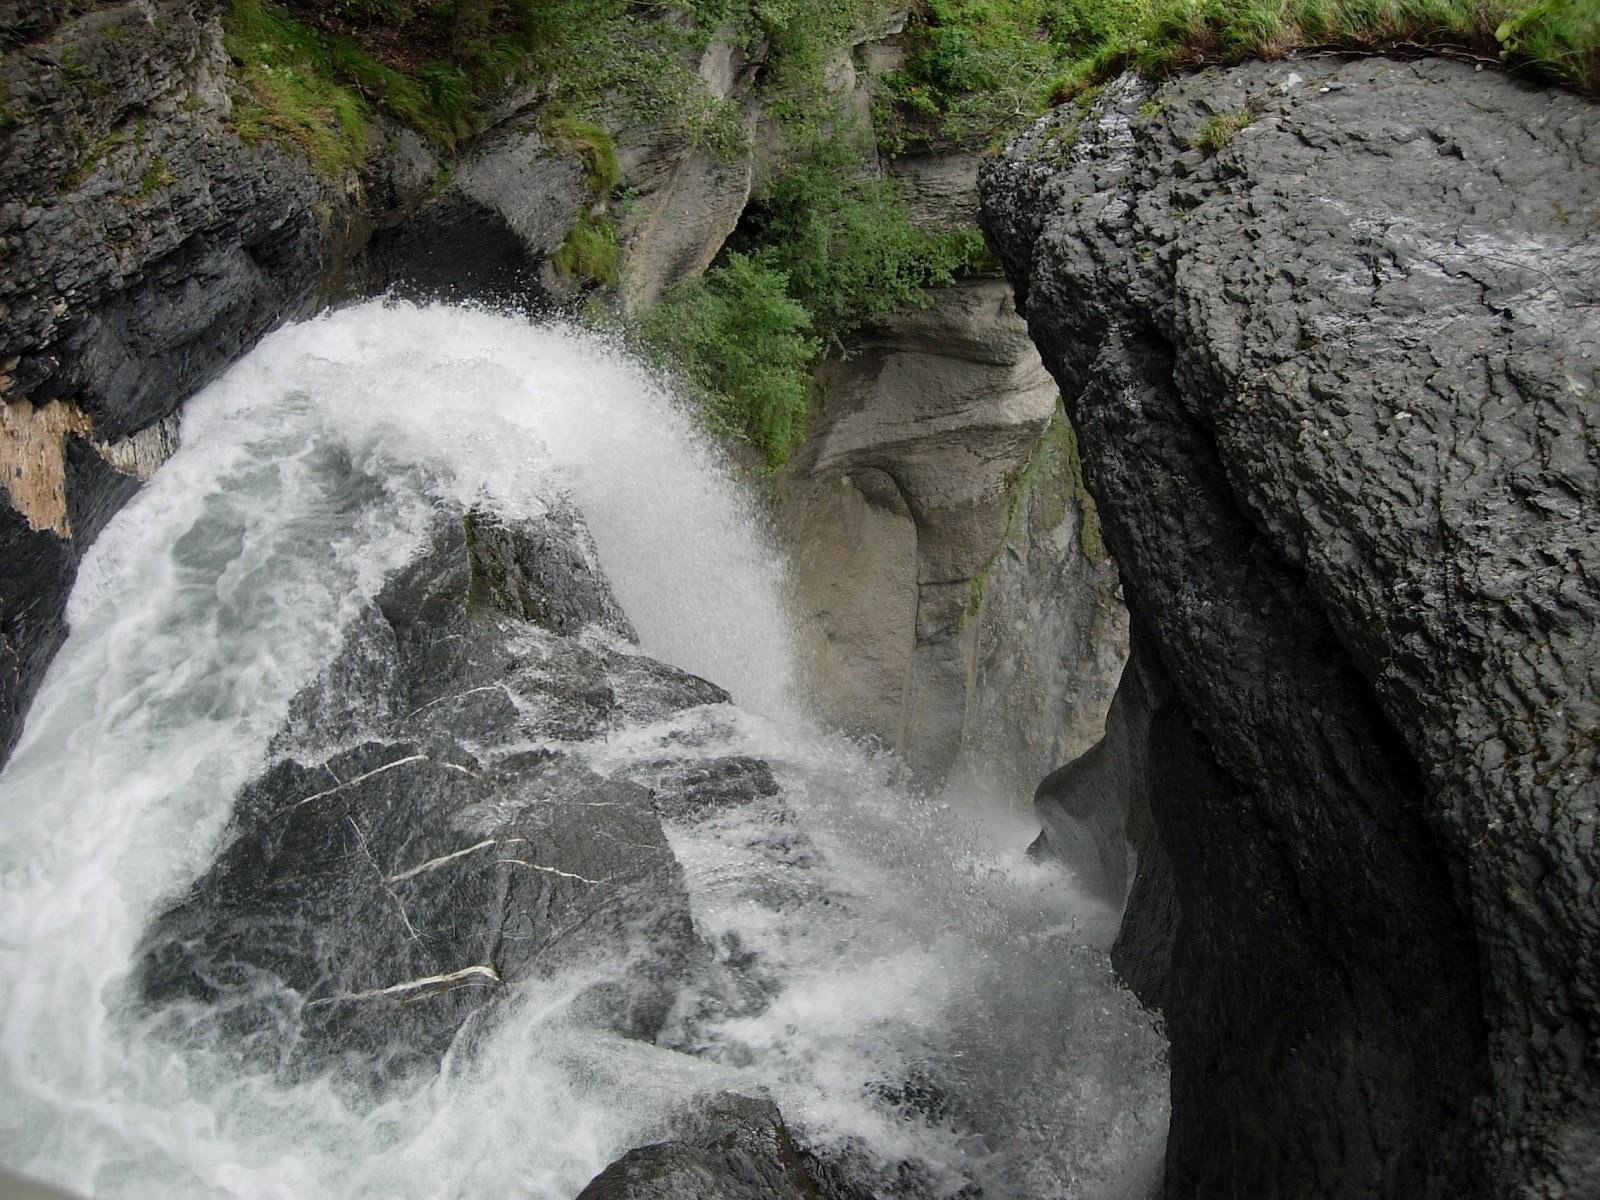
column 1335, row 378
column 731, row 1148
column 424, row 839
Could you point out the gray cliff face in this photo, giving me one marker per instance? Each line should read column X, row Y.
column 938, row 548
column 118, row 297
column 1336, row 389
column 947, row 569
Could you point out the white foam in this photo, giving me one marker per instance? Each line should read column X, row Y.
column 306, row 474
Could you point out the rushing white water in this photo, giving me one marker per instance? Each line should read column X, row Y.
column 916, row 949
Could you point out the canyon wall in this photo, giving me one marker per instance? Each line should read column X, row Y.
column 960, row 607
column 1329, row 331
column 939, row 549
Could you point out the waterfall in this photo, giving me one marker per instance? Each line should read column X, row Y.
column 918, row 948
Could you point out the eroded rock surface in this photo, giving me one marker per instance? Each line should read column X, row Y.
column 902, row 504
column 689, row 196
column 1336, row 389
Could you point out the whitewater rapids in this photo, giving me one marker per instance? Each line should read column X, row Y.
column 305, row 476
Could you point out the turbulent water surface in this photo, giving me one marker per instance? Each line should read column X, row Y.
column 921, row 948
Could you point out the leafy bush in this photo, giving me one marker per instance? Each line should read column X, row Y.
column 843, row 239
column 745, row 345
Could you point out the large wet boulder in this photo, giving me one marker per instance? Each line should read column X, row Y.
column 426, row 837
column 1329, row 331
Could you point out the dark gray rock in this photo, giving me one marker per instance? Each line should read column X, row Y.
column 146, row 245
column 691, row 789
column 488, row 233
column 547, row 572
column 731, row 1148
column 1335, row 385
column 421, row 842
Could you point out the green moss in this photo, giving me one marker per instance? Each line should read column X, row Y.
column 1051, row 478
column 156, row 177
column 592, row 144
column 590, row 251
column 1218, row 130
column 10, row 111
column 1090, row 538
column 80, row 76
column 92, row 155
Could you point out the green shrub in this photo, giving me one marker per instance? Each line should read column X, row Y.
column 980, row 68
column 844, row 240
column 745, row 345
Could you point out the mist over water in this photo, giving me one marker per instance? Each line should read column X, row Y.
column 913, row 948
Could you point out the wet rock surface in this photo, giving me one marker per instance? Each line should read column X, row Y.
column 1335, row 384
column 423, row 839
column 732, row 1148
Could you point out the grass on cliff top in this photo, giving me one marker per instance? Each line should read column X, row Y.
column 316, row 89
column 1557, row 41
column 978, row 69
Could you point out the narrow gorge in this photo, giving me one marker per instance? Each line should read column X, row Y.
column 991, row 599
